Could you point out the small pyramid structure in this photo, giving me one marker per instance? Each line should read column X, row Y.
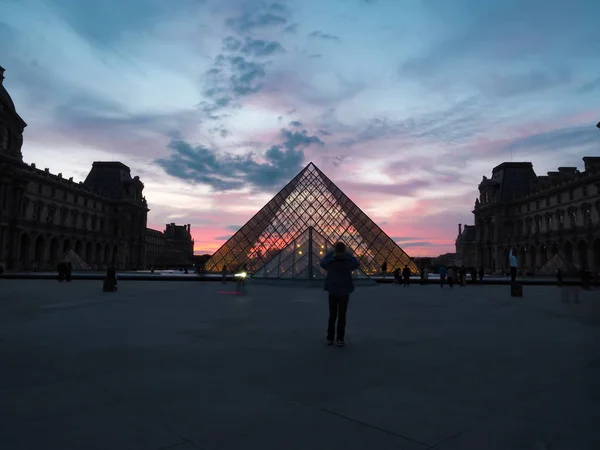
column 77, row 263
column 301, row 259
column 310, row 199
column 558, row 261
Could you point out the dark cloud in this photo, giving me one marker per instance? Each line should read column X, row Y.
column 404, row 238
column 261, row 48
column 252, row 21
column 292, row 28
column 232, row 44
column 420, row 244
column 231, row 77
column 233, row 227
column 246, row 76
column 322, row 35
column 406, row 189
column 559, row 139
column 204, row 165
column 532, row 81
column 222, row 238
column 590, row 86
column 295, row 123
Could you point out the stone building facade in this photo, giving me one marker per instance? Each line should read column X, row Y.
column 466, row 254
column 538, row 216
column 172, row 248
column 43, row 215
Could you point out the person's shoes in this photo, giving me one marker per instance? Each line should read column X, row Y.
column 329, row 341
column 340, row 344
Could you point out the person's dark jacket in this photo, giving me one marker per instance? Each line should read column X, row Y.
column 406, row 272
column 339, row 267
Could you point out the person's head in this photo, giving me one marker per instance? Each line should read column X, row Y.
column 340, row 247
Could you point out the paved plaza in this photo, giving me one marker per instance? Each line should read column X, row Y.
column 191, row 365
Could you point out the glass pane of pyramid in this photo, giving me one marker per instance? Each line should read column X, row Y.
column 301, row 259
column 309, row 200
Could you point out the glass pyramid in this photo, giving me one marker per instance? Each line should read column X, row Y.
column 301, row 259
column 309, row 200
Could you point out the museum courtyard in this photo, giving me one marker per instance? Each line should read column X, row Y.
column 188, row 365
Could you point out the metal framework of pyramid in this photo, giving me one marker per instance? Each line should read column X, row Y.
column 309, row 200
column 301, row 259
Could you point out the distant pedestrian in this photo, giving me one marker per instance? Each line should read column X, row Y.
column 68, row 272
column 406, row 275
column 397, row 277
column 462, row 275
column 514, row 264
column 481, row 273
column 224, row 275
column 451, row 277
column 60, row 268
column 110, row 282
column 425, row 276
column 339, row 266
column 442, row 275
column 384, row 269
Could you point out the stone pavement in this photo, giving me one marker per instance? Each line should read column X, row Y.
column 178, row 365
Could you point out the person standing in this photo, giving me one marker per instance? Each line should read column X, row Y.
column 224, row 275
column 339, row 266
column 68, row 272
column 397, row 276
column 451, row 277
column 514, row 264
column 384, row 269
column 406, row 275
column 442, row 275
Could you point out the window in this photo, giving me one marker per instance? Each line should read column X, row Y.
column 75, row 199
column 53, row 192
column 559, row 197
column 571, row 194
column 40, row 188
column 547, row 201
column 85, row 200
column 65, row 195
column 585, row 191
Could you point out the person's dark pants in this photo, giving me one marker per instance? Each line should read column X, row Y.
column 451, row 282
column 406, row 280
column 442, row 280
column 513, row 274
column 338, row 305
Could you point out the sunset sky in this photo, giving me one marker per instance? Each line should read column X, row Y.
column 217, row 104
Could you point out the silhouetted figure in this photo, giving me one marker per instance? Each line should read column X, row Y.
column 339, row 266
column 68, row 272
column 224, row 273
column 425, row 273
column 462, row 275
column 110, row 282
column 451, row 277
column 559, row 277
column 185, row 270
column 442, row 275
column 397, row 277
column 152, row 269
column 384, row 269
column 60, row 268
column 514, row 264
column 473, row 275
column 481, row 273
column 406, row 275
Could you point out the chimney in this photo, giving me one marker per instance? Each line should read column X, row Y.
column 1, row 75
column 459, row 229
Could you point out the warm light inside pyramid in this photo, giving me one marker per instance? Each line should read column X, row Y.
column 310, row 200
